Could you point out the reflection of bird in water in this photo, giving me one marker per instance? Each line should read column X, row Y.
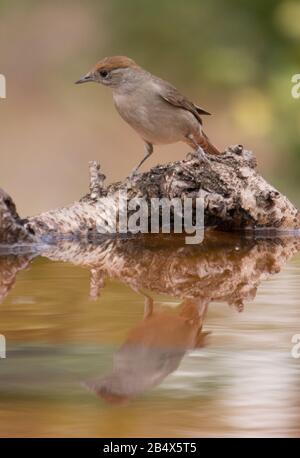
column 153, row 350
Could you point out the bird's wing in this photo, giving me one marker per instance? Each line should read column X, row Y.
column 202, row 111
column 171, row 95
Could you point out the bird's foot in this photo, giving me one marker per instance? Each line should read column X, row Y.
column 131, row 178
column 201, row 155
column 191, row 155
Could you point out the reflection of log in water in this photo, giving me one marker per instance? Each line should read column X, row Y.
column 223, row 268
column 9, row 268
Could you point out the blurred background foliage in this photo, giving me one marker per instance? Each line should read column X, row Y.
column 235, row 58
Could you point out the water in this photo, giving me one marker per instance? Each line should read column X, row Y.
column 151, row 338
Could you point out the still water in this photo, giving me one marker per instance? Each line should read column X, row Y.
column 149, row 337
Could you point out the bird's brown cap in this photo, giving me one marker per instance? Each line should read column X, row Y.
column 111, row 63
column 107, row 64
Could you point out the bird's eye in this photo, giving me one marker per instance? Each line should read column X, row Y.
column 103, row 73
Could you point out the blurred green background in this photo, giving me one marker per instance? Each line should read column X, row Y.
column 235, row 58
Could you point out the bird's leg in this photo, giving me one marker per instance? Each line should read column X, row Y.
column 148, row 306
column 198, row 150
column 148, row 151
column 148, row 302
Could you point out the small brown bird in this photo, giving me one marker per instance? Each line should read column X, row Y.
column 152, row 106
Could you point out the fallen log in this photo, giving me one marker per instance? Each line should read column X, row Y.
column 235, row 197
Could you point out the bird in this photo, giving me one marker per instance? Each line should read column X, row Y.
column 154, row 108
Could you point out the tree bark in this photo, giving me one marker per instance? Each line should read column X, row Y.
column 235, row 197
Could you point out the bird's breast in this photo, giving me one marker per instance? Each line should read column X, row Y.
column 154, row 119
column 136, row 108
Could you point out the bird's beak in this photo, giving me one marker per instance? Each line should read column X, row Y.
column 85, row 79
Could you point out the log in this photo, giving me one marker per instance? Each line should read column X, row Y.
column 12, row 228
column 235, row 197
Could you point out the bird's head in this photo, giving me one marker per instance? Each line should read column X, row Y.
column 112, row 71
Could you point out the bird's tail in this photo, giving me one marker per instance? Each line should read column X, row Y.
column 205, row 143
